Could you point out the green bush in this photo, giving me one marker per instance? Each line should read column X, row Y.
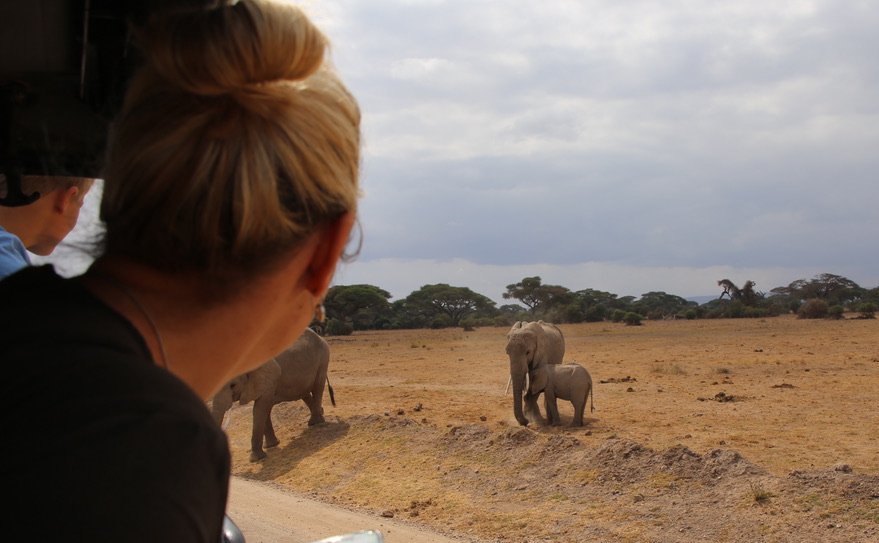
column 756, row 313
column 595, row 313
column 690, row 314
column 813, row 309
column 868, row 310
column 618, row 315
column 336, row 327
column 835, row 312
column 632, row 319
column 441, row 321
column 503, row 320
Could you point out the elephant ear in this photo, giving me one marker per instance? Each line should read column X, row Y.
column 260, row 382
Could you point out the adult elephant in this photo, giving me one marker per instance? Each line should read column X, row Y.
column 298, row 373
column 532, row 346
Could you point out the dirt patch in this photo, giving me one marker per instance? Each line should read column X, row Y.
column 431, row 438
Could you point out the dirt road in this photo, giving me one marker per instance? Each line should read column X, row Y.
column 268, row 514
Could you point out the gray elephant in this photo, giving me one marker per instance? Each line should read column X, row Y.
column 567, row 382
column 531, row 347
column 298, row 373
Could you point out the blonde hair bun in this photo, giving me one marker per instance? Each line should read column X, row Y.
column 232, row 47
column 235, row 141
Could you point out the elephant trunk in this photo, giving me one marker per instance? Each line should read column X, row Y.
column 520, row 388
column 221, row 403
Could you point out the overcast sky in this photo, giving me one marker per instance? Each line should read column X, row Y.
column 625, row 146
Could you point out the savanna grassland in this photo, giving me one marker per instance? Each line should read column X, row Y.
column 706, row 430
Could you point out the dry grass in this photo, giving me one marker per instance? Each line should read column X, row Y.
column 423, row 430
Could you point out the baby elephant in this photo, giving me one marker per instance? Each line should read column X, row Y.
column 569, row 382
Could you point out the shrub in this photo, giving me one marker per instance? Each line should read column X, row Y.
column 835, row 312
column 756, row 313
column 441, row 321
column 618, row 315
column 632, row 319
column 595, row 313
column 813, row 309
column 868, row 310
column 736, row 310
column 690, row 314
column 759, row 493
column 503, row 320
column 337, row 327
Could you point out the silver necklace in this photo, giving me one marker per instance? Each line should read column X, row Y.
column 128, row 294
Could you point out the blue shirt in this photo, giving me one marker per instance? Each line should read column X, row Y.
column 13, row 255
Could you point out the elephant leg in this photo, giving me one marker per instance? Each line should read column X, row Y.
column 270, row 438
column 579, row 406
column 552, row 408
column 261, row 410
column 532, row 411
column 317, row 411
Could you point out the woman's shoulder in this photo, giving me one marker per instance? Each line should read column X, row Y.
column 43, row 309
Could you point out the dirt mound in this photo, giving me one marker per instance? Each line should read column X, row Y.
column 840, row 481
column 625, row 460
column 505, row 469
column 518, row 436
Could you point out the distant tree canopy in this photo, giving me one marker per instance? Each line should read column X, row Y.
column 659, row 305
column 364, row 307
column 539, row 298
column 832, row 289
column 444, row 304
column 746, row 295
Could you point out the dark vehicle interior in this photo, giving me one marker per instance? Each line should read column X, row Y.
column 64, row 65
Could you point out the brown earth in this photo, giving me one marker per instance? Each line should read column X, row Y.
column 720, row 430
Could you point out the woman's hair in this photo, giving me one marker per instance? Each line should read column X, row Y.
column 235, row 141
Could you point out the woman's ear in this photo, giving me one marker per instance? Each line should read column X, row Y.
column 333, row 237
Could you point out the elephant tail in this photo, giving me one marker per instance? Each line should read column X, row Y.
column 332, row 395
column 591, row 394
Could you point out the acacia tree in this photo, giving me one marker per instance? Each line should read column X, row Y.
column 365, row 307
column 657, row 305
column 597, row 305
column 747, row 295
column 539, row 298
column 452, row 303
column 833, row 289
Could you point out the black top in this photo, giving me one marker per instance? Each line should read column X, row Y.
column 99, row 443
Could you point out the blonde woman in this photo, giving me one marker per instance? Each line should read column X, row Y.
column 230, row 190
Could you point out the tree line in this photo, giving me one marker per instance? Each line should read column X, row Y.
column 368, row 307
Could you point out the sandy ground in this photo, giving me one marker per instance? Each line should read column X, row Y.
column 723, row 430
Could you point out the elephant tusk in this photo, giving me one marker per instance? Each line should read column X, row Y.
column 527, row 382
column 509, row 382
